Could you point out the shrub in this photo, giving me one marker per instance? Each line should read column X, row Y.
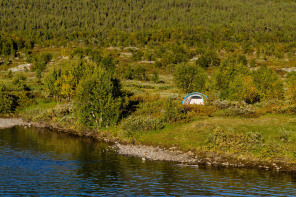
column 6, row 101
column 291, row 80
column 19, row 81
column 136, row 125
column 242, row 60
column 40, row 61
column 137, row 56
column 140, row 73
column 252, row 63
column 232, row 141
column 98, row 100
column 268, row 83
column 235, row 108
column 128, row 73
column 226, row 73
column 243, row 88
column 210, row 58
column 63, row 82
column 190, row 78
column 173, row 111
column 199, row 110
column 155, row 76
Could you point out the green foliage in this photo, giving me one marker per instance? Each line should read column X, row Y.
column 291, row 81
column 243, row 88
column 19, row 80
column 7, row 103
column 38, row 75
column 128, row 73
column 226, row 73
column 210, row 58
column 98, row 100
column 173, row 111
column 137, row 56
column 107, row 63
column 140, row 73
column 190, row 78
column 62, row 82
column 95, row 56
column 136, row 125
column 268, row 83
column 230, row 141
column 149, row 56
column 252, row 63
column 145, row 22
column 39, row 62
column 242, row 60
column 235, row 82
column 51, row 81
column 9, row 74
column 155, row 76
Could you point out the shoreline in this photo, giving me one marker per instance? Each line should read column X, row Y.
column 160, row 154
column 145, row 152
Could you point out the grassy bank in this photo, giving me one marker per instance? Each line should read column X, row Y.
column 263, row 138
column 266, row 141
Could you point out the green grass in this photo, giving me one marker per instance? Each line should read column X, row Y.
column 277, row 137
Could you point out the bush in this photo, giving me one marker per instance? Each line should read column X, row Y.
column 7, row 104
column 40, row 61
column 235, row 108
column 98, row 100
column 199, row 110
column 233, row 141
column 268, row 83
column 140, row 73
column 155, row 76
column 243, row 88
column 291, row 80
column 138, row 55
column 226, row 73
column 63, row 82
column 19, row 80
column 136, row 125
column 210, row 58
column 190, row 78
column 173, row 111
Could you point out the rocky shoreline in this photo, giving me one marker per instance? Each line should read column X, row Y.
column 11, row 122
column 161, row 154
column 145, row 152
column 152, row 153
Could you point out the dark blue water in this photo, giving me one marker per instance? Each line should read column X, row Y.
column 38, row 162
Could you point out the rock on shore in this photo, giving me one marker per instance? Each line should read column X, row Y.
column 148, row 152
column 11, row 122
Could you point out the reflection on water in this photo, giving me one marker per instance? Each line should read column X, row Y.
column 39, row 162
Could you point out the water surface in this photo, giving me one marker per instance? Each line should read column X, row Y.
column 41, row 162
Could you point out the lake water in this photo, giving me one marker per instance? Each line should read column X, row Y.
column 39, row 162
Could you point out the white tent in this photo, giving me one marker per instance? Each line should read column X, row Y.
column 194, row 98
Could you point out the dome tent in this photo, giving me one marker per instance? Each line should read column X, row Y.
column 194, row 98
